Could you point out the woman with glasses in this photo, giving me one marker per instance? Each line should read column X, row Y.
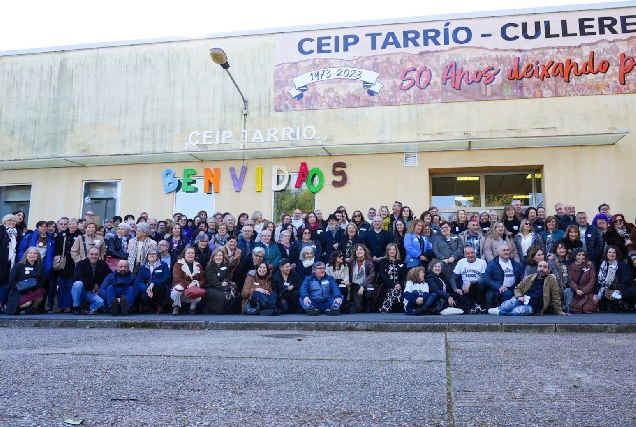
column 527, row 238
column 358, row 219
column 618, row 233
column 152, row 282
column 449, row 249
column 307, row 241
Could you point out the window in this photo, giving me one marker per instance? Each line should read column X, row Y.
column 15, row 198
column 190, row 204
column 492, row 190
column 292, row 198
column 102, row 198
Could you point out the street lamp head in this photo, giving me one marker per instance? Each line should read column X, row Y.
column 219, row 57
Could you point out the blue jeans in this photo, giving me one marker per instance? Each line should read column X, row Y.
column 494, row 297
column 113, row 292
column 429, row 301
column 320, row 306
column 64, row 297
column 507, row 307
column 80, row 294
column 4, row 292
column 266, row 301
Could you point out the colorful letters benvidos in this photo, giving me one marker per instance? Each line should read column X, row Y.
column 314, row 178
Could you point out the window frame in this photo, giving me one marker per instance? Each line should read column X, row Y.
column 29, row 184
column 109, row 181
column 482, row 187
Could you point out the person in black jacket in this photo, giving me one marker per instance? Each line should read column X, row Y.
column 376, row 240
column 331, row 237
column 286, row 283
column 89, row 275
column 392, row 272
column 66, row 236
column 202, row 251
column 437, row 285
column 8, row 252
column 29, row 268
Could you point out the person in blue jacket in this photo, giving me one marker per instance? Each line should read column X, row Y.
column 152, row 281
column 319, row 293
column 119, row 289
column 502, row 275
column 43, row 241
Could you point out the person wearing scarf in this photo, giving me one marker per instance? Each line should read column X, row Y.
column 186, row 273
column 8, row 245
column 615, row 285
column 362, row 274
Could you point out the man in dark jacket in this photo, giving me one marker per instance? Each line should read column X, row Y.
column 568, row 219
column 502, row 275
column 331, row 238
column 120, row 289
column 592, row 238
column 87, row 279
column 246, row 242
column 376, row 240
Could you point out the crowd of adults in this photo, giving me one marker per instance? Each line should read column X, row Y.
column 387, row 260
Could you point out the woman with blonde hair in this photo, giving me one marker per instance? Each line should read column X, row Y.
column 26, row 282
column 497, row 236
column 257, row 217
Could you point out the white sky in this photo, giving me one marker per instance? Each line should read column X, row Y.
column 28, row 24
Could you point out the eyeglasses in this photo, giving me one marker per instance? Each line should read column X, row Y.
column 619, row 220
column 340, row 256
column 357, row 215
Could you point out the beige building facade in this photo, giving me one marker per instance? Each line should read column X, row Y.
column 98, row 127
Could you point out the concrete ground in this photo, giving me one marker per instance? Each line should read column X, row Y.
column 159, row 377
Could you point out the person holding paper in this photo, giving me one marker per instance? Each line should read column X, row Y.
column 537, row 291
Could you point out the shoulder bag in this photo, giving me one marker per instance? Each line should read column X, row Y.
column 27, row 285
column 59, row 261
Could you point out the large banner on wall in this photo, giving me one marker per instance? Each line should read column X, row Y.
column 590, row 52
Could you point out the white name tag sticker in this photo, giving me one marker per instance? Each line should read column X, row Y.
column 97, row 242
column 224, row 268
column 158, row 271
column 325, row 282
column 342, row 285
column 370, row 289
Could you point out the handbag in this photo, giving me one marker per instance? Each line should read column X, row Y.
column 194, row 292
column 59, row 261
column 252, row 307
column 27, row 285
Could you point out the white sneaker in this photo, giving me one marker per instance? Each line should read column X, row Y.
column 494, row 311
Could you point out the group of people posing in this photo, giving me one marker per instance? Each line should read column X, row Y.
column 523, row 262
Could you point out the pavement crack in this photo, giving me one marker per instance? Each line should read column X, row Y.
column 450, row 406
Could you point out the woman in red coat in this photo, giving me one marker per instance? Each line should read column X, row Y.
column 582, row 281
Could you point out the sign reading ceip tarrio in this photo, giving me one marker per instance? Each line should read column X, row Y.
column 288, row 133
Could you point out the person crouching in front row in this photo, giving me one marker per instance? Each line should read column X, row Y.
column 417, row 299
column 319, row 293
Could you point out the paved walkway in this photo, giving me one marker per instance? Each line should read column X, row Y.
column 153, row 378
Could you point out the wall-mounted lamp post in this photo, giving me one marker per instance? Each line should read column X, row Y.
column 219, row 57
